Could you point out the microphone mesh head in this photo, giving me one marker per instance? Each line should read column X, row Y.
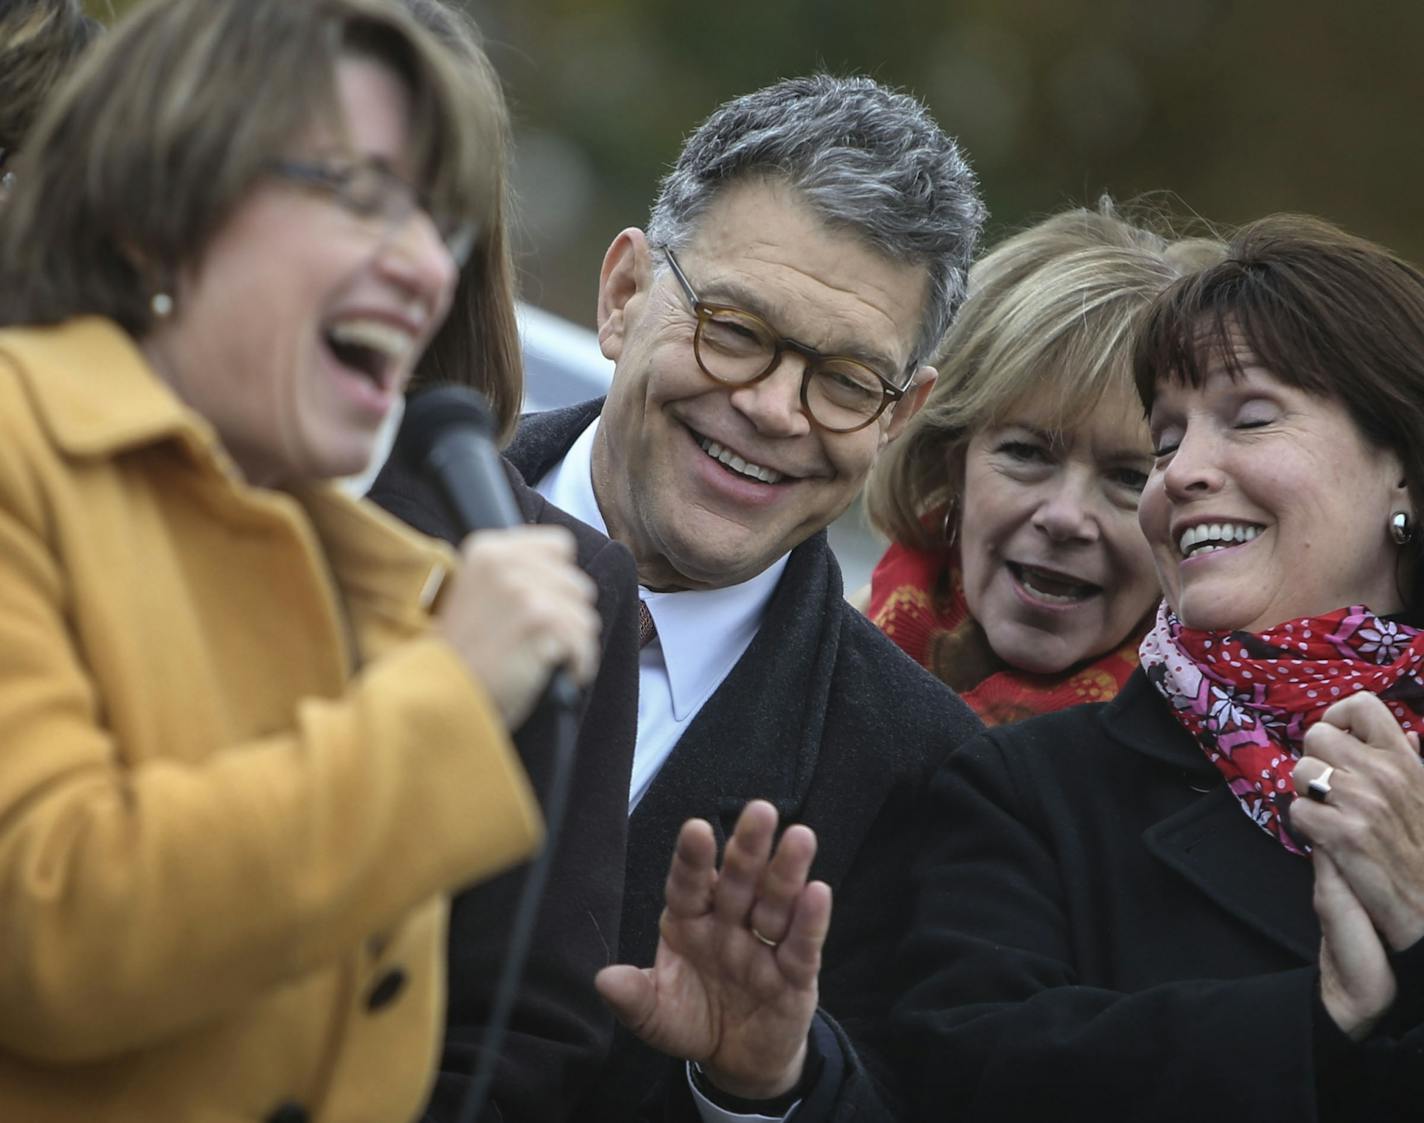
column 430, row 414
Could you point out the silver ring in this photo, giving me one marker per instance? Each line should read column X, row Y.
column 1319, row 788
column 764, row 939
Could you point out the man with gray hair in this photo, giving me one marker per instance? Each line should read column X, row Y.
column 770, row 333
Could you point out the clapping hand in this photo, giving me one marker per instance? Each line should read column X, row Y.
column 733, row 985
column 1365, row 821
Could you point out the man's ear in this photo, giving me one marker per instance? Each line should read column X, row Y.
column 627, row 272
column 909, row 405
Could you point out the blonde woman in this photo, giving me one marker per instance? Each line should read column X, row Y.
column 1017, row 572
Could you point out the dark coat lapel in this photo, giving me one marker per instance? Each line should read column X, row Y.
column 543, row 439
column 1211, row 842
column 758, row 736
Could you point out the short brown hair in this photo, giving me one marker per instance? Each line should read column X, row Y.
column 1049, row 316
column 478, row 345
column 175, row 114
column 39, row 42
column 1321, row 309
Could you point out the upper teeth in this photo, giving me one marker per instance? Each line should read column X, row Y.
column 1215, row 536
column 394, row 343
column 737, row 464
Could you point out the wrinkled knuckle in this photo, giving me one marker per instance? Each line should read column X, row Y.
column 1353, row 834
column 1317, row 735
column 1372, row 806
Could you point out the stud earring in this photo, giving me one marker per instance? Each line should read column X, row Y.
column 161, row 305
column 1400, row 532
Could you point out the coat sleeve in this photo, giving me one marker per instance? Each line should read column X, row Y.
column 994, row 1023
column 137, row 901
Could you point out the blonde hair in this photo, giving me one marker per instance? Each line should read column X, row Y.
column 39, row 41
column 174, row 115
column 1049, row 318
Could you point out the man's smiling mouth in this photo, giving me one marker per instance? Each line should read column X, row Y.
column 734, row 463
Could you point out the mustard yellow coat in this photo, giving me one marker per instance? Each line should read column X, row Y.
column 237, row 774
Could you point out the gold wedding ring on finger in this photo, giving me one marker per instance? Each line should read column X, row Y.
column 1319, row 788
column 767, row 940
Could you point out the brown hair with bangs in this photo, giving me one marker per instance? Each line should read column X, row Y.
column 39, row 42
column 478, row 345
column 1320, row 309
column 175, row 114
column 1049, row 318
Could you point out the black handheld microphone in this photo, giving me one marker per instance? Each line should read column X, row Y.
column 448, row 435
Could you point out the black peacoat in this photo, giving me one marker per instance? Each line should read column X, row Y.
column 829, row 721
column 1102, row 934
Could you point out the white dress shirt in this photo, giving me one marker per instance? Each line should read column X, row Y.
column 701, row 635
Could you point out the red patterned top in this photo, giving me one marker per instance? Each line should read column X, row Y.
column 917, row 599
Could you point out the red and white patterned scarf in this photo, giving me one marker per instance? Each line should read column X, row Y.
column 1248, row 698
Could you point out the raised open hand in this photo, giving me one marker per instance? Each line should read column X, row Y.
column 733, row 985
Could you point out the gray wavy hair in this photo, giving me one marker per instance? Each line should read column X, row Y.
column 866, row 158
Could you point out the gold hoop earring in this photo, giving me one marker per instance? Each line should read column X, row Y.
column 949, row 528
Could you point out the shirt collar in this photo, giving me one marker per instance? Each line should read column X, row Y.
column 702, row 632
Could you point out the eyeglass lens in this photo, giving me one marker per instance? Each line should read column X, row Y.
column 738, row 347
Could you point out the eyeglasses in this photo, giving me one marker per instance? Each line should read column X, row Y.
column 370, row 190
column 736, row 348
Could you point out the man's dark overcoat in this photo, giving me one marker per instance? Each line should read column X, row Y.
column 829, row 721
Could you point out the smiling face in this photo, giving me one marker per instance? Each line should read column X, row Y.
column 1266, row 503
column 297, row 330
column 709, row 484
column 1055, row 569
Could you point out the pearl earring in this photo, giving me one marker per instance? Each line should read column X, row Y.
column 162, row 305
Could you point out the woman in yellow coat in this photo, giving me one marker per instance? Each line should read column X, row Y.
column 239, row 768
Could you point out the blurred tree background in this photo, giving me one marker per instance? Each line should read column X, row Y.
column 1239, row 109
